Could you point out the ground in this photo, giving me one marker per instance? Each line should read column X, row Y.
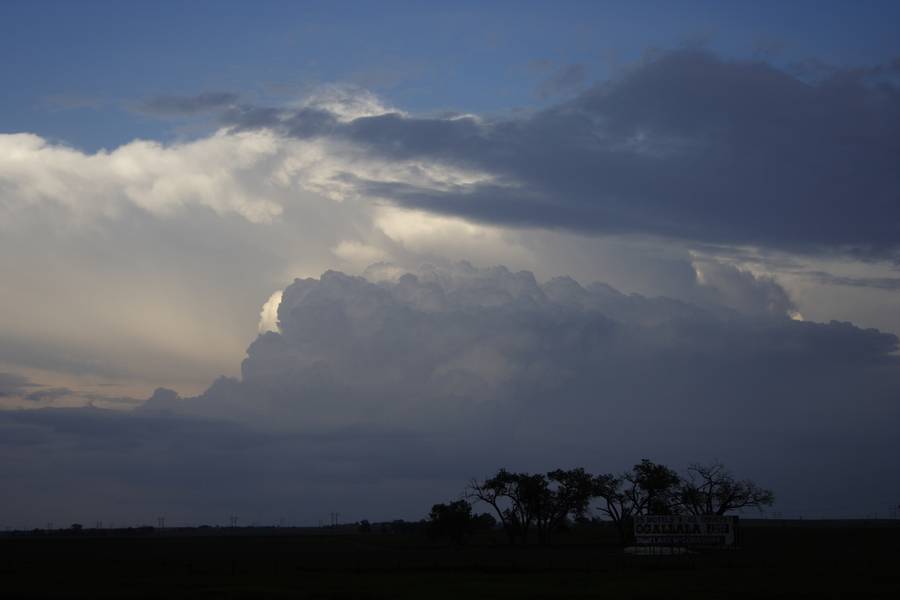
column 778, row 560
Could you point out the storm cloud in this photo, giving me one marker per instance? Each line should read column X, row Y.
column 605, row 185
column 685, row 145
column 400, row 386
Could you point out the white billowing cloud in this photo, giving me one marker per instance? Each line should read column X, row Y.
column 144, row 261
column 345, row 102
column 159, row 179
column 268, row 316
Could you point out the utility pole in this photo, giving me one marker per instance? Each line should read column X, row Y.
column 161, row 522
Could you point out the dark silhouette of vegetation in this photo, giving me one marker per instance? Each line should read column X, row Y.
column 451, row 520
column 562, row 494
column 652, row 488
column 713, row 490
column 526, row 502
column 648, row 488
column 455, row 521
column 615, row 504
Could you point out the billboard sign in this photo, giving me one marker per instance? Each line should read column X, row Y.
column 685, row 530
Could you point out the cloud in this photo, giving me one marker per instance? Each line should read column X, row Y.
column 268, row 316
column 177, row 106
column 684, row 145
column 147, row 175
column 49, row 394
column 145, row 261
column 123, row 263
column 381, row 396
column 880, row 283
column 120, row 467
column 13, row 384
column 491, row 358
column 726, row 285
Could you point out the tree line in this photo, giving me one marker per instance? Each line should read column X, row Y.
column 540, row 504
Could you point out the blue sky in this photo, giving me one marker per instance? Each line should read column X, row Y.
column 73, row 71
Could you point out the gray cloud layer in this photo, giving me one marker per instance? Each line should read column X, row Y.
column 174, row 106
column 685, row 145
column 13, row 384
column 382, row 395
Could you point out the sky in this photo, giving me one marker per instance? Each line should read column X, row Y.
column 273, row 258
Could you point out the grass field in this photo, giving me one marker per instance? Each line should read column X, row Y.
column 791, row 560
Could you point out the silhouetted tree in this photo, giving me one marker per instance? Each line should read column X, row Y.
column 648, row 488
column 453, row 520
column 514, row 498
column 561, row 494
column 713, row 490
column 614, row 503
column 652, row 488
column 526, row 501
column 484, row 522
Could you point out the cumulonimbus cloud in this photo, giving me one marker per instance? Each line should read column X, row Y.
column 739, row 153
column 414, row 382
column 456, row 339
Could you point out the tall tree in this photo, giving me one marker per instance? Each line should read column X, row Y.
column 499, row 492
column 648, row 488
column 713, row 490
column 614, row 503
column 517, row 498
column 562, row 493
column 652, row 488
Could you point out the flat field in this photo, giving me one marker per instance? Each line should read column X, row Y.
column 776, row 560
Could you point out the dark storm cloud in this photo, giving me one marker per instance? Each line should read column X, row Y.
column 169, row 106
column 879, row 283
column 380, row 399
column 130, row 466
column 684, row 145
column 534, row 374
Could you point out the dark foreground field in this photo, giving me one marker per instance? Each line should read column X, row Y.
column 799, row 560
